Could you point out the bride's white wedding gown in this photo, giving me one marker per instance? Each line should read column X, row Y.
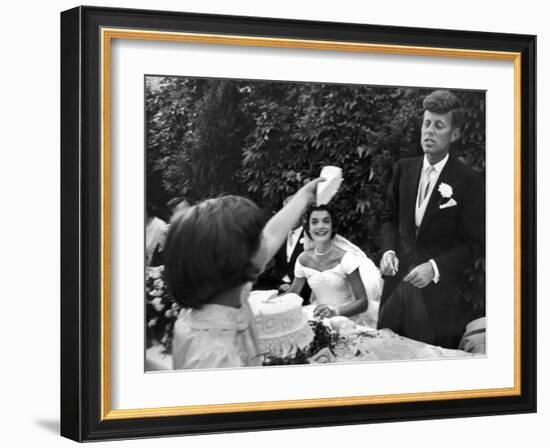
column 331, row 287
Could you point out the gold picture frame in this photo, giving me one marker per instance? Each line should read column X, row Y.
column 90, row 394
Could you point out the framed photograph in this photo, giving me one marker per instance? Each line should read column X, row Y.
column 278, row 224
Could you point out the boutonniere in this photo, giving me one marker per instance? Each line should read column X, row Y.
column 446, row 192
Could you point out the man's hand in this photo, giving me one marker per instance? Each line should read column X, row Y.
column 389, row 264
column 421, row 276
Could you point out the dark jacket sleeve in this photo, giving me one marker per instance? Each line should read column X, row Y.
column 389, row 231
column 471, row 231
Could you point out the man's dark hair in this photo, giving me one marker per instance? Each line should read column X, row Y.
column 209, row 248
column 319, row 208
column 443, row 101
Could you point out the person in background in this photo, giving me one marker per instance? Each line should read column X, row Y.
column 155, row 236
column 176, row 205
column 473, row 340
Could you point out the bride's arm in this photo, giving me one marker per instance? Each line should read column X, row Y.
column 361, row 303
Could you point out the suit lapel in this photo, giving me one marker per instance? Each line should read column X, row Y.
column 446, row 176
column 411, row 193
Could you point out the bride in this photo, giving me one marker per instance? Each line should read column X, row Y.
column 343, row 279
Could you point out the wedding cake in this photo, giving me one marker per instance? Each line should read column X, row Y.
column 281, row 323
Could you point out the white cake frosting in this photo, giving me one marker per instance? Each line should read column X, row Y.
column 281, row 323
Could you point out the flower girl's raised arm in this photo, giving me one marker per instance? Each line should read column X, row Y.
column 277, row 228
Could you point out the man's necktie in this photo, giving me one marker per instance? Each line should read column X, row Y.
column 426, row 183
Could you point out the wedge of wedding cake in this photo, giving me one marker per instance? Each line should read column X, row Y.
column 281, row 324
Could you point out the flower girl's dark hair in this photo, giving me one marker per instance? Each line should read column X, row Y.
column 209, row 248
column 318, row 208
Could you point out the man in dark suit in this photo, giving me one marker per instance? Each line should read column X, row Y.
column 433, row 229
column 279, row 273
column 286, row 258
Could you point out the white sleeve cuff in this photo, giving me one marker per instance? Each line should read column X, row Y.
column 436, row 271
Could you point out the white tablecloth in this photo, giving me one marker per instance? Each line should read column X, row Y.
column 365, row 344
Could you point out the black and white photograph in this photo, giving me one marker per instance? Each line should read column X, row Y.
column 294, row 223
column 273, row 224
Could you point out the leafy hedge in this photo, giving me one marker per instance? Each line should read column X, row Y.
column 262, row 139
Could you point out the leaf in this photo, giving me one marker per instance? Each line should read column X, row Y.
column 371, row 174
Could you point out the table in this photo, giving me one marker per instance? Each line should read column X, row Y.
column 364, row 344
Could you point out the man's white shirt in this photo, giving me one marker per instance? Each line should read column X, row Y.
column 420, row 209
column 292, row 240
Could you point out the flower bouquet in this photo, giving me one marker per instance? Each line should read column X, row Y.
column 161, row 309
column 324, row 341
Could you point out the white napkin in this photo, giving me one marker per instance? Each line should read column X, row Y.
column 327, row 189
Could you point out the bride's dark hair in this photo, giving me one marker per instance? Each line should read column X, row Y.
column 209, row 248
column 319, row 208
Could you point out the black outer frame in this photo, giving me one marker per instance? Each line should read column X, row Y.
column 81, row 221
